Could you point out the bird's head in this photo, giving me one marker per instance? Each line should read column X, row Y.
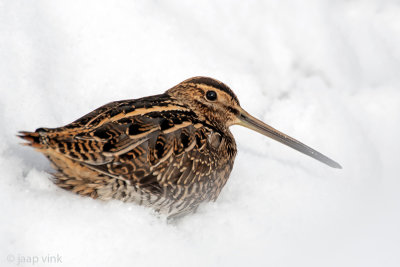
column 215, row 103
column 211, row 100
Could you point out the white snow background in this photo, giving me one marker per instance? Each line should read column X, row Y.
column 325, row 72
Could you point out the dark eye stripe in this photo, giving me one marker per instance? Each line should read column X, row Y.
column 213, row 83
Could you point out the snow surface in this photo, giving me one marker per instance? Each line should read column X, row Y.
column 325, row 72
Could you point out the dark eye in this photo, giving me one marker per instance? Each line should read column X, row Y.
column 211, row 95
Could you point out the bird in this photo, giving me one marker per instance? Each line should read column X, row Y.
column 169, row 152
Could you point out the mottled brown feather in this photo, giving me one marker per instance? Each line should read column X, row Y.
column 155, row 151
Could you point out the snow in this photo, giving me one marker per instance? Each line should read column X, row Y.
column 324, row 72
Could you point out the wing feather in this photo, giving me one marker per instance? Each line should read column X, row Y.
column 152, row 151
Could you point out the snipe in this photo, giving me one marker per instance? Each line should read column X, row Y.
column 170, row 152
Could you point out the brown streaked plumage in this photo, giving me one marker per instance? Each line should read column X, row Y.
column 170, row 152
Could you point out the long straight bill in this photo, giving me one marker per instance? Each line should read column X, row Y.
column 246, row 120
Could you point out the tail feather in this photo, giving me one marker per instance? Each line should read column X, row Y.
column 34, row 139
